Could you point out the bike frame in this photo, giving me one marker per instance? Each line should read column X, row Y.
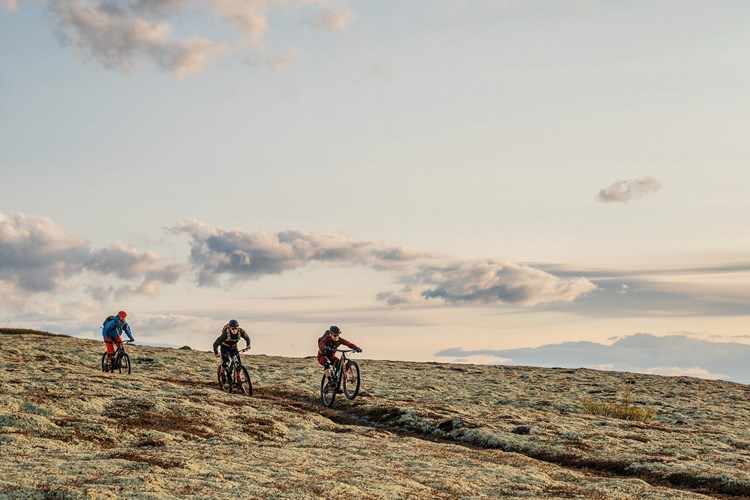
column 235, row 361
column 338, row 372
column 121, row 349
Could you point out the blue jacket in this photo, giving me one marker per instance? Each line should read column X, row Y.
column 114, row 328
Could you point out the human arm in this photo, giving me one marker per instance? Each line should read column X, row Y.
column 217, row 343
column 245, row 336
column 126, row 329
column 349, row 344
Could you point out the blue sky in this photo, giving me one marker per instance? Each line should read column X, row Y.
column 475, row 176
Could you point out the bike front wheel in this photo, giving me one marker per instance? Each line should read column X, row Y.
column 123, row 363
column 351, row 380
column 327, row 392
column 242, row 380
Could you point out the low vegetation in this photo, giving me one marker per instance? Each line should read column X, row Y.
column 625, row 410
column 417, row 430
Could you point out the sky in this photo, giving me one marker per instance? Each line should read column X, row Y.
column 538, row 182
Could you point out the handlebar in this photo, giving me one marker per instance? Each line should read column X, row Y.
column 129, row 342
column 245, row 349
column 346, row 351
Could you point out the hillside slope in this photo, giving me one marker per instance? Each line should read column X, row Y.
column 418, row 430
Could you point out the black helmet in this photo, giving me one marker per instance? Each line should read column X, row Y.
column 335, row 329
column 233, row 323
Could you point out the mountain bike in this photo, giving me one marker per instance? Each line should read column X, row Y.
column 348, row 378
column 120, row 360
column 239, row 378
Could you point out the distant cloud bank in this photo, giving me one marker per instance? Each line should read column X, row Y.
column 640, row 352
column 124, row 35
column 37, row 256
column 624, row 191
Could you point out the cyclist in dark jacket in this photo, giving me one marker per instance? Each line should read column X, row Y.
column 327, row 346
column 112, row 333
column 230, row 336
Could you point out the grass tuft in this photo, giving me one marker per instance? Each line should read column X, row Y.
column 625, row 410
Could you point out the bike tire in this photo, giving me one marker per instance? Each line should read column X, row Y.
column 244, row 383
column 327, row 393
column 222, row 378
column 351, row 389
column 105, row 365
column 230, row 381
column 124, row 364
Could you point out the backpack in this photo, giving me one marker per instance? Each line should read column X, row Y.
column 108, row 319
column 321, row 338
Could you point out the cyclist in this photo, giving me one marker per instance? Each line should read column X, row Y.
column 112, row 333
column 327, row 345
column 230, row 336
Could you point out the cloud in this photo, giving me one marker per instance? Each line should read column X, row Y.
column 241, row 255
column 624, row 191
column 686, row 291
column 120, row 36
column 640, row 352
column 216, row 252
column 381, row 69
column 282, row 61
column 490, row 281
column 123, row 35
column 38, row 256
column 334, row 19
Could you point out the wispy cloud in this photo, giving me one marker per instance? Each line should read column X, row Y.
column 335, row 18
column 121, row 36
column 283, row 60
column 9, row 5
column 124, row 35
column 640, row 352
column 486, row 282
column 676, row 291
column 624, row 191
column 36, row 255
column 381, row 69
column 217, row 252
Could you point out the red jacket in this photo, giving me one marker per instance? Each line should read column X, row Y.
column 327, row 341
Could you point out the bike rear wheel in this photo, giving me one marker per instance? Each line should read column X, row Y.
column 351, row 386
column 327, row 392
column 105, row 363
column 242, row 380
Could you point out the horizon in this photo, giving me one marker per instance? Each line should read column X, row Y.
column 452, row 182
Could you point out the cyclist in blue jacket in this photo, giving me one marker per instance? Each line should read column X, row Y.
column 112, row 333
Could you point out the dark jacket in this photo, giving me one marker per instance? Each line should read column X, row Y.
column 229, row 339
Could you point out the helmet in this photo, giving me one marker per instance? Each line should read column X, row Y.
column 233, row 323
column 122, row 314
column 335, row 329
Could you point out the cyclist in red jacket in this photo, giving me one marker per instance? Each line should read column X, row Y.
column 327, row 345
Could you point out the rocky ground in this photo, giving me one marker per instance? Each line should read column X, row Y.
column 417, row 430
